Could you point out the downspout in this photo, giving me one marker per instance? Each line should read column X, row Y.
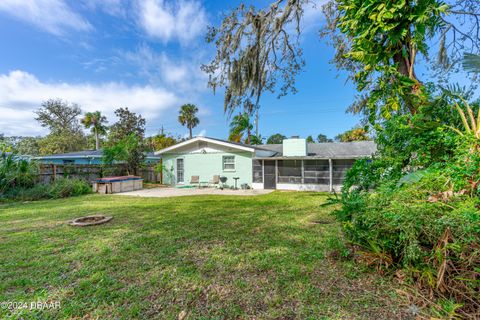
column 330, row 168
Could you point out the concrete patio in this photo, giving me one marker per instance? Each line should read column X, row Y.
column 179, row 192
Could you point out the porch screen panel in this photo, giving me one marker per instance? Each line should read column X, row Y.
column 257, row 171
column 316, row 172
column 340, row 168
column 290, row 171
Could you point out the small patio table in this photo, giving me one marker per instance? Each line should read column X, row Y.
column 236, row 178
column 203, row 184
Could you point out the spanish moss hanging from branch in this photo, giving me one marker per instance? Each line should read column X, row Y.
column 256, row 51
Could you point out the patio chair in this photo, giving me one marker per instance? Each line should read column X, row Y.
column 215, row 182
column 195, row 180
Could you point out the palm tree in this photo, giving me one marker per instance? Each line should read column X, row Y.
column 188, row 117
column 96, row 121
column 240, row 126
column 256, row 140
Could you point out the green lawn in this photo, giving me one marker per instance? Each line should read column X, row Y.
column 209, row 257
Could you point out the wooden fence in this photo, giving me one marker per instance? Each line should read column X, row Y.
column 49, row 172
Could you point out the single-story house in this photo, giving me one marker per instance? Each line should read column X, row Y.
column 292, row 165
column 15, row 156
column 85, row 157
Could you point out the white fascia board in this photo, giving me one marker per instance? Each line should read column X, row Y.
column 213, row 141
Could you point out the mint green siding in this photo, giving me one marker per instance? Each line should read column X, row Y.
column 206, row 165
column 294, row 148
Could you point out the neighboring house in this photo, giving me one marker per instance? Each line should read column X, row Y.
column 15, row 156
column 292, row 165
column 85, row 157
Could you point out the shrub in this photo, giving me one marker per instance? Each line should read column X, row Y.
column 16, row 172
column 422, row 227
column 61, row 188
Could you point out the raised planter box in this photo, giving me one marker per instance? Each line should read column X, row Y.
column 117, row 184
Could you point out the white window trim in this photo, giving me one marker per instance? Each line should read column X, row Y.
column 213, row 141
column 234, row 164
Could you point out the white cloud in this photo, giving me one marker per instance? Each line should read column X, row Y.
column 182, row 20
column 179, row 74
column 313, row 15
column 116, row 8
column 53, row 16
column 21, row 94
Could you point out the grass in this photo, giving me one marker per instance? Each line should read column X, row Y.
column 202, row 257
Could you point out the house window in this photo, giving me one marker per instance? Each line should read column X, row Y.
column 228, row 163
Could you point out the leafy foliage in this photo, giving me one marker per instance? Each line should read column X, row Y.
column 61, row 188
column 96, row 121
column 415, row 205
column 255, row 48
column 321, row 138
column 28, row 146
column 160, row 141
column 59, row 116
column 379, row 43
column 241, row 128
column 62, row 142
column 276, row 138
column 16, row 172
column 128, row 123
column 188, row 117
column 5, row 145
column 128, row 151
column 402, row 228
column 256, row 140
column 355, row 134
column 20, row 145
column 61, row 119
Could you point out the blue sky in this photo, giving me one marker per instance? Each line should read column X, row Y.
column 146, row 55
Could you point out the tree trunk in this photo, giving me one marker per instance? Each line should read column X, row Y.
column 190, row 128
column 405, row 66
column 97, row 141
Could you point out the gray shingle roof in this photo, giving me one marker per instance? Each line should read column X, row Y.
column 327, row 150
column 240, row 144
column 76, row 154
column 85, row 154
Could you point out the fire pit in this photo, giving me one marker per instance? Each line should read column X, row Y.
column 90, row 220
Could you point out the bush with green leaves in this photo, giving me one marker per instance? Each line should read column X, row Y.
column 16, row 172
column 415, row 206
column 61, row 188
column 422, row 227
column 128, row 152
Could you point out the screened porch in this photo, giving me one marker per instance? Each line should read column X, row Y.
column 300, row 174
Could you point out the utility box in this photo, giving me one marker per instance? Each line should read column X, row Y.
column 294, row 147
